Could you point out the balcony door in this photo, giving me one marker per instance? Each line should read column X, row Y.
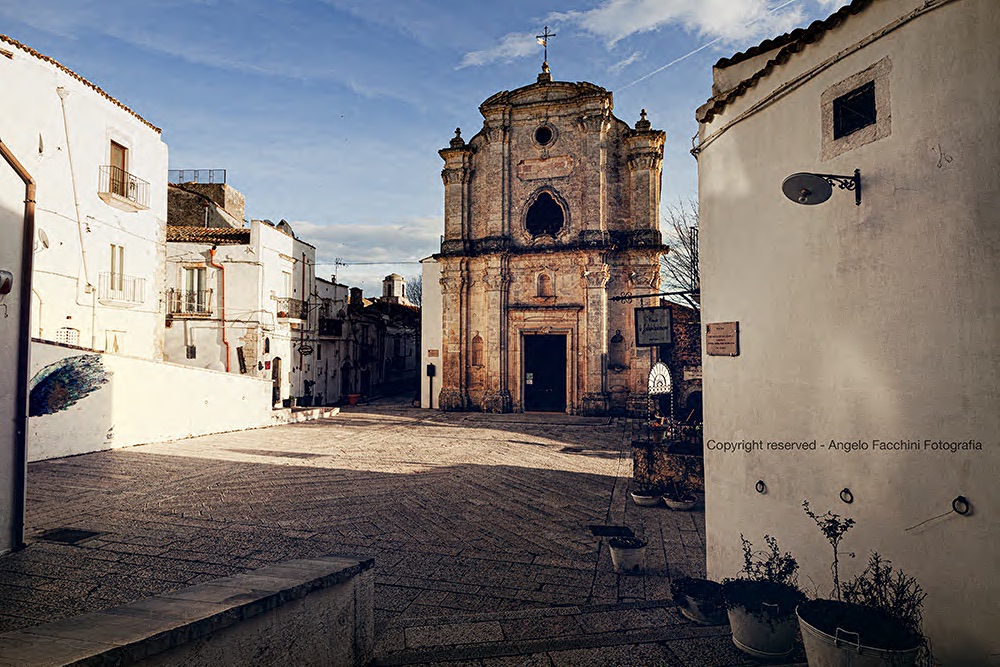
column 118, row 169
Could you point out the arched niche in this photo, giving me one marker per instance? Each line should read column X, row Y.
column 546, row 214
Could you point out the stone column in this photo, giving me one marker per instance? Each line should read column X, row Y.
column 453, row 360
column 644, row 156
column 456, row 175
column 496, row 397
column 594, row 400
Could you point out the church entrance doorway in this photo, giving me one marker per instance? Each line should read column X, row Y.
column 545, row 373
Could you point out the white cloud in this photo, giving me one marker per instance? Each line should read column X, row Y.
column 371, row 251
column 512, row 45
column 622, row 64
column 730, row 20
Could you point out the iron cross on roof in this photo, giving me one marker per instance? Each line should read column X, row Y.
column 543, row 39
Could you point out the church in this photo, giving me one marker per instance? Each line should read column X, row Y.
column 550, row 210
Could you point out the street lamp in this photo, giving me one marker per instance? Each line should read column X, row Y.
column 810, row 189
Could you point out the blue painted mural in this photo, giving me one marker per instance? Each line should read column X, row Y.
column 65, row 382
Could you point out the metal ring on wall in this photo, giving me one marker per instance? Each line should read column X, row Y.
column 761, row 486
column 961, row 505
column 847, row 496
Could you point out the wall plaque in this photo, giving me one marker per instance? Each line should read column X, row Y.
column 553, row 167
column 692, row 372
column 722, row 339
column 653, row 326
column 432, row 353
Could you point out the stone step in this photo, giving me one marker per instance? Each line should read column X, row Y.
column 533, row 632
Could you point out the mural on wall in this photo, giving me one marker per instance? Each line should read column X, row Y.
column 65, row 382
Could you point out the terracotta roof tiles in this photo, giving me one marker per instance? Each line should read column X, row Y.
column 214, row 235
column 27, row 49
column 789, row 44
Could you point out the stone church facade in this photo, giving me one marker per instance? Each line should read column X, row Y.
column 550, row 209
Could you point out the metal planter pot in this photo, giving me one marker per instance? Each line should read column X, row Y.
column 846, row 648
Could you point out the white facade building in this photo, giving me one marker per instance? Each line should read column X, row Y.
column 239, row 301
column 876, row 325
column 431, row 335
column 332, row 348
column 101, row 206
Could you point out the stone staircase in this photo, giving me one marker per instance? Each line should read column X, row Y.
column 634, row 633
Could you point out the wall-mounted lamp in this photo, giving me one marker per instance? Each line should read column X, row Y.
column 808, row 188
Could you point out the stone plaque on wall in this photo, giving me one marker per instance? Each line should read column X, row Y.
column 553, row 167
column 722, row 339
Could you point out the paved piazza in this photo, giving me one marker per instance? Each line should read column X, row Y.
column 479, row 525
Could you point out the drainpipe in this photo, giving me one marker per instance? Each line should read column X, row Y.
column 24, row 341
column 40, row 304
column 88, row 288
column 222, row 269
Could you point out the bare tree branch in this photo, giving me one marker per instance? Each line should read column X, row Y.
column 679, row 267
column 414, row 290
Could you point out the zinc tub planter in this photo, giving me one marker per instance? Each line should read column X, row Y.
column 762, row 617
column 628, row 554
column 699, row 600
column 840, row 634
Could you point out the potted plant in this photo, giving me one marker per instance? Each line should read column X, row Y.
column 628, row 554
column 645, row 495
column 761, row 601
column 874, row 620
column 699, row 600
column 679, row 494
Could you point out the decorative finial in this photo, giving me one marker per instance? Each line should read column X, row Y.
column 457, row 141
column 642, row 123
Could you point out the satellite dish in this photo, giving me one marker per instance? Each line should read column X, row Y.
column 806, row 188
column 43, row 238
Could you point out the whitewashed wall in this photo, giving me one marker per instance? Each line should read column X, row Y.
column 124, row 401
column 430, row 332
column 11, row 260
column 79, row 240
column 864, row 323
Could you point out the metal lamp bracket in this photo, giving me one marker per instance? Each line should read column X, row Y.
column 846, row 183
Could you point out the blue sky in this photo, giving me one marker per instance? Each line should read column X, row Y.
column 330, row 113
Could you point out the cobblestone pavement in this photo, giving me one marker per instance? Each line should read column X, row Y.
column 479, row 525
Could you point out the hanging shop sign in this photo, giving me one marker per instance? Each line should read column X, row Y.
column 653, row 326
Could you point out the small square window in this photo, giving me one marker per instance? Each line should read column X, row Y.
column 192, row 352
column 853, row 111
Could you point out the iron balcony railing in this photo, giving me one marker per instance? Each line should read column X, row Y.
column 120, row 287
column 189, row 302
column 118, row 182
column 196, row 175
column 292, row 308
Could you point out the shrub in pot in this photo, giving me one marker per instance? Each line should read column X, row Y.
column 699, row 600
column 761, row 602
column 874, row 620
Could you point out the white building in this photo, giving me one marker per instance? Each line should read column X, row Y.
column 431, row 333
column 238, row 300
column 876, row 324
column 332, row 348
column 101, row 206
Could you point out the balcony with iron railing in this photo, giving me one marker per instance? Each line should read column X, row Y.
column 189, row 303
column 289, row 308
column 118, row 288
column 117, row 186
